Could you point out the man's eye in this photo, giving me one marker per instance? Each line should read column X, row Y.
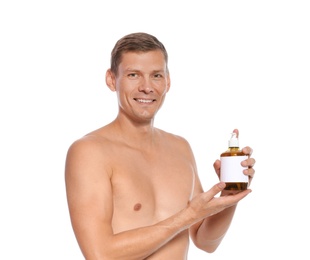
column 157, row 76
column 132, row 75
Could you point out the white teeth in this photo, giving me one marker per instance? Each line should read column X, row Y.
column 145, row 100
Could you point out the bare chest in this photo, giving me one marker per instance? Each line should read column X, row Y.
column 147, row 189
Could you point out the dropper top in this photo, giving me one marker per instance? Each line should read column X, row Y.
column 233, row 142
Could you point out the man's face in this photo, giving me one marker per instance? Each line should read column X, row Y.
column 142, row 83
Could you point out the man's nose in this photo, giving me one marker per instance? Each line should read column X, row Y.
column 146, row 86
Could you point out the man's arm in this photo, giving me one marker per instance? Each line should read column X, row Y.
column 208, row 234
column 90, row 202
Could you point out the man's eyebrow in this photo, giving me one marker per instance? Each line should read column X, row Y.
column 138, row 70
column 131, row 69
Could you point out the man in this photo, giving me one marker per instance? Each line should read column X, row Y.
column 133, row 190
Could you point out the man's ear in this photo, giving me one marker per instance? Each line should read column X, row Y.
column 168, row 82
column 110, row 80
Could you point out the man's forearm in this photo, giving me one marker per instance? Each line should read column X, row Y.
column 141, row 242
column 209, row 234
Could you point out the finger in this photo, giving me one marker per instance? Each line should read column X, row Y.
column 252, row 162
column 248, row 163
column 239, row 196
column 237, row 132
column 217, row 188
column 217, row 166
column 249, row 172
column 247, row 150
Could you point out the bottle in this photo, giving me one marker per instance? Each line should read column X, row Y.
column 231, row 168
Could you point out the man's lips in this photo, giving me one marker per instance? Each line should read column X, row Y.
column 143, row 100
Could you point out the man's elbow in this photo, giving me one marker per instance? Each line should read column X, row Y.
column 208, row 246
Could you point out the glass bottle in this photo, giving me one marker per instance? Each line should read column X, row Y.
column 231, row 168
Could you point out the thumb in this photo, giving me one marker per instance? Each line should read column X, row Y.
column 216, row 189
column 237, row 132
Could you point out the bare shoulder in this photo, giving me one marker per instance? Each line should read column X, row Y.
column 171, row 136
column 88, row 143
column 91, row 143
column 90, row 153
column 175, row 141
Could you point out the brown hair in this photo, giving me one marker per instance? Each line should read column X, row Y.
column 135, row 42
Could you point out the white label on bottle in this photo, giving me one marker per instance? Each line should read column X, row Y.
column 232, row 170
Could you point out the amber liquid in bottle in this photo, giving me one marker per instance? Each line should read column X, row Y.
column 239, row 186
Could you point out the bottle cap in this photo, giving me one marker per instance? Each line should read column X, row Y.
column 233, row 142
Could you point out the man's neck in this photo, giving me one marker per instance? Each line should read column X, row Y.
column 135, row 134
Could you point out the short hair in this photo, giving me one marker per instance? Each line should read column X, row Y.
column 135, row 42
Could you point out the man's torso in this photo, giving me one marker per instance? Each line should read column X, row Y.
column 150, row 186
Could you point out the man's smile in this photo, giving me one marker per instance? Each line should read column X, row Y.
column 141, row 100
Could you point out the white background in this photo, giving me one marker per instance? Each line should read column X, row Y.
column 233, row 64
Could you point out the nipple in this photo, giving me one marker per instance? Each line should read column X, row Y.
column 137, row 207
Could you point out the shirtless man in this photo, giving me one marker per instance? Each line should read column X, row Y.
column 133, row 190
